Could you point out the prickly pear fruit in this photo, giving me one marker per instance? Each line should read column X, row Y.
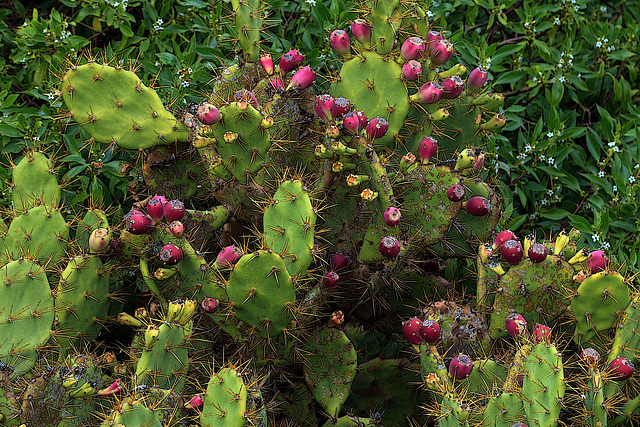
column 432, row 38
column 621, row 369
column 537, row 252
column 412, row 48
column 392, row 216
column 287, row 63
column 170, row 254
column 99, row 240
column 297, row 57
column 477, row 79
column 330, row 279
column 412, row 70
column 512, row 251
column 515, row 324
column 597, row 261
column 452, row 87
column 377, row 128
column 411, row 330
column 460, row 366
column 155, row 208
column 338, row 261
column 267, row 63
column 228, row 256
column 429, row 93
column 209, row 305
column 351, row 122
column 441, row 52
column 477, row 206
column 323, row 106
column 589, row 356
column 455, row 192
column 340, row 107
column 430, row 331
column 389, row 246
column 137, row 222
column 195, row 402
column 502, row 237
column 340, row 42
column 428, row 148
column 176, row 228
column 361, row 31
column 174, row 210
column 541, row 332
column 244, row 95
column 303, row 78
column 276, row 84
column 208, row 114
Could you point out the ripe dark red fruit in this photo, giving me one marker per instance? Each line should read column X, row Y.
column 460, row 366
column 430, row 331
column 512, row 251
column 597, row 261
column 330, row 279
column 455, row 193
column 515, row 324
column 541, row 332
column 502, row 237
column 389, row 246
column 537, row 252
column 590, row 356
column 621, row 369
column 478, row 206
column 170, row 254
column 411, row 330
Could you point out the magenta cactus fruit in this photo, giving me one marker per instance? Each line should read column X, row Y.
column 515, row 324
column 502, row 237
column 389, row 246
column 287, row 63
column 477, row 78
column 441, row 52
column 429, row 93
column 412, row 48
column 170, row 254
column 597, row 261
column 330, row 279
column 353, row 121
column 267, row 63
column 428, row 148
column 323, row 106
column 246, row 96
column 432, row 38
column 537, row 252
column 303, row 78
column 392, row 216
column 297, row 57
column 376, row 128
column 452, row 87
column 340, row 107
column 460, row 366
column 340, row 42
column 137, row 222
column 412, row 70
column 174, row 210
column 430, row 331
column 621, row 369
column 209, row 305
column 155, row 208
column 477, row 206
column 276, row 84
column 208, row 114
column 195, row 402
column 99, row 240
column 455, row 193
column 176, row 228
column 541, row 332
column 411, row 330
column 228, row 256
column 512, row 251
column 361, row 31
column 590, row 356
column 338, row 261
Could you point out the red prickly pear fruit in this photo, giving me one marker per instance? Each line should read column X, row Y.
column 176, row 228
column 228, row 256
column 477, row 78
column 429, row 93
column 512, row 251
column 389, row 246
column 460, row 366
column 479, row 162
column 541, row 332
column 621, row 369
column 155, row 208
column 276, row 84
column 338, row 261
column 340, row 107
column 477, row 206
column 502, row 237
column 137, row 222
column 286, row 63
column 377, row 128
column 361, row 31
column 428, row 148
column 246, row 96
column 340, row 42
column 441, row 52
column 411, row 330
column 412, row 48
column 351, row 122
column 208, row 114
column 362, row 117
column 412, row 70
column 430, row 331
column 515, row 324
column 520, row 379
column 432, row 38
column 297, row 57
column 99, row 240
column 323, row 106
column 195, row 402
column 267, row 62
column 537, row 252
column 174, row 210
column 597, row 261
column 455, row 193
column 590, row 356
column 170, row 254
column 330, row 279
column 452, row 87
column 209, row 305
column 303, row 78
column 392, row 216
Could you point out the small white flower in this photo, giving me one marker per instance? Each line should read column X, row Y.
column 579, row 75
column 576, row 8
column 612, row 144
column 598, row 44
column 527, row 148
column 532, row 216
column 603, row 9
column 545, row 202
column 605, row 40
column 160, row 21
column 615, row 188
column 535, row 79
column 36, row 138
column 116, row 4
column 157, row 64
column 557, row 21
column 550, row 193
column 616, row 149
column 526, row 24
column 429, row 14
column 601, row 174
column 632, row 179
column 51, row 96
column 542, row 158
column 562, row 79
column 595, row 237
column 311, row 2
column 551, row 160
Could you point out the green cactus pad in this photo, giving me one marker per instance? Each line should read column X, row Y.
column 503, row 411
column 543, row 384
column 331, row 368
column 452, row 412
column 535, row 290
column 26, row 314
column 594, row 400
column 374, row 85
column 596, row 303
column 485, row 378
column 248, row 23
column 132, row 414
column 385, row 17
column 352, row 421
column 115, row 107
column 262, row 292
column 289, row 224
column 225, row 402
column 41, row 233
column 34, row 182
